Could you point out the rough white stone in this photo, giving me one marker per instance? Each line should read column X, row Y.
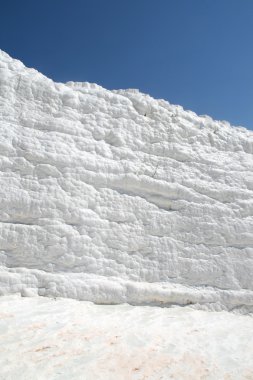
column 113, row 196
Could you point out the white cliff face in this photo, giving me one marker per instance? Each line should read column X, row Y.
column 113, row 196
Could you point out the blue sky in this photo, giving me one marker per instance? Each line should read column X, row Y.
column 196, row 53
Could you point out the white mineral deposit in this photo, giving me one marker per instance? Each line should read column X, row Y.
column 132, row 204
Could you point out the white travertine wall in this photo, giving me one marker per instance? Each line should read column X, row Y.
column 113, row 196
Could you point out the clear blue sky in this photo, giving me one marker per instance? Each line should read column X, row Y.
column 196, row 53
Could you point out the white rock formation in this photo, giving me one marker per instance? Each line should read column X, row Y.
column 112, row 196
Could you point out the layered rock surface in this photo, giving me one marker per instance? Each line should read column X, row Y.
column 113, row 196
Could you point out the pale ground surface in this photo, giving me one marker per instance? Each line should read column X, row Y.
column 42, row 338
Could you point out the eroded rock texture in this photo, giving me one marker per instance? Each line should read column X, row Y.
column 113, row 196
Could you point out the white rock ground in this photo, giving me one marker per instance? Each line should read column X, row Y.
column 65, row 339
column 115, row 197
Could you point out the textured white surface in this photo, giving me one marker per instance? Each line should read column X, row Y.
column 112, row 196
column 67, row 339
